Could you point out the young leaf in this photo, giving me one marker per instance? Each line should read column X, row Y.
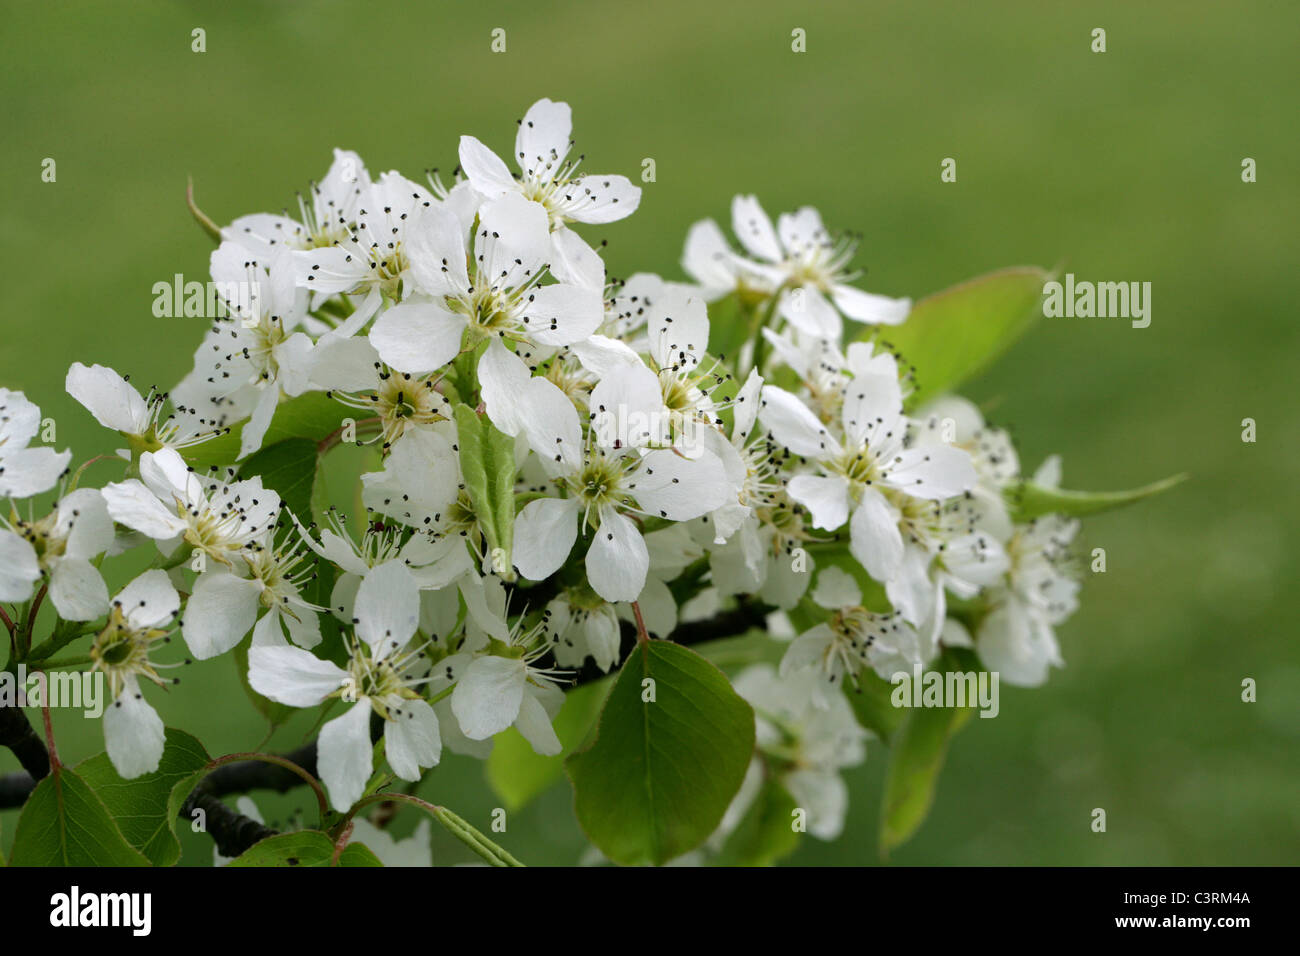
column 289, row 469
column 915, row 758
column 765, row 834
column 140, row 806
column 670, row 753
column 518, row 773
column 311, row 415
column 872, row 705
column 487, row 461
column 63, row 823
column 303, row 848
column 951, row 335
column 1028, row 500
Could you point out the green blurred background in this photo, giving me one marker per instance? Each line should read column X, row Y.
column 1122, row 166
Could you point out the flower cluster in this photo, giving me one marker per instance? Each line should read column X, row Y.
column 638, row 478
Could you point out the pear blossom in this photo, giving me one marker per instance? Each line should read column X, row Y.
column 144, row 421
column 138, row 620
column 853, row 638
column 224, row 605
column 805, row 745
column 170, row 503
column 65, row 543
column 810, row 269
column 868, row 475
column 500, row 293
column 25, row 471
column 547, row 174
column 374, row 255
column 1017, row 637
column 382, row 676
column 510, row 688
column 332, row 206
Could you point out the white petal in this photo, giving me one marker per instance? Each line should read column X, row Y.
column 754, row 229
column 544, row 534
column 503, row 378
column 911, row 590
column 535, row 726
column 150, row 600
column 290, row 675
column 836, row 589
column 436, row 248
column 30, row 471
column 933, row 472
column 412, row 737
column 250, row 437
column 746, row 405
column 484, row 169
column 417, row 336
column 133, row 733
column 109, row 397
column 344, row 753
column 874, row 538
column 543, row 138
column 488, row 695
column 513, row 241
column 873, row 409
column 807, row 310
column 794, row 425
column 870, row 308
column 627, row 408
column 132, row 504
column 707, row 259
column 19, row 568
column 678, row 488
column 387, row 608
column 419, row 481
column 826, row 498
column 603, row 356
column 347, row 365
column 78, row 590
column 600, row 199
column 618, row 560
column 574, row 261
column 550, row 424
column 219, row 613
column 20, row 419
column 84, row 522
column 677, row 325
column 563, row 314
column 802, row 230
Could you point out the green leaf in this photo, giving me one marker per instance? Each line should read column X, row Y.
column 1028, row 500
column 63, row 823
column 140, row 806
column 872, row 706
column 765, row 833
column 953, row 334
column 661, row 773
column 311, row 415
column 916, row 756
column 487, row 461
column 518, row 773
column 289, row 469
column 304, row 848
